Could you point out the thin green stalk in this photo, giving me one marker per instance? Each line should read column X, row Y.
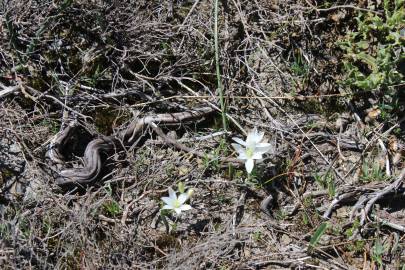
column 218, row 71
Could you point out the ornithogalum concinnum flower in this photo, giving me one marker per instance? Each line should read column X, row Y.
column 175, row 203
column 251, row 149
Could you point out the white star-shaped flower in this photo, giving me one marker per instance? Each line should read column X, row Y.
column 251, row 149
column 176, row 203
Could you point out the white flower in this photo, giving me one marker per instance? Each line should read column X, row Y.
column 177, row 203
column 251, row 149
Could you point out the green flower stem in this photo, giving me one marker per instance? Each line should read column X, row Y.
column 219, row 84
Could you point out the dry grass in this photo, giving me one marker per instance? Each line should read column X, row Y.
column 104, row 62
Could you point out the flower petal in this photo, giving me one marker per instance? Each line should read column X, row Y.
column 240, row 141
column 177, row 210
column 259, row 136
column 254, row 136
column 262, row 150
column 167, row 200
column 257, row 155
column 242, row 156
column 250, row 137
column 182, row 198
column 172, row 194
column 249, row 164
column 185, row 207
column 263, row 144
column 167, row 207
column 239, row 148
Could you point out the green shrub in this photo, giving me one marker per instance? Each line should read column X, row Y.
column 374, row 52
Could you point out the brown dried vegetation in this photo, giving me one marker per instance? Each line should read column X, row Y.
column 104, row 63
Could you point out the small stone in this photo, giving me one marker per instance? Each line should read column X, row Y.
column 372, row 114
column 342, row 121
column 172, row 134
column 14, row 149
column 342, row 212
column 285, row 240
column 325, row 240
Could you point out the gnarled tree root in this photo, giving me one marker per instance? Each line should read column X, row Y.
column 367, row 197
column 366, row 202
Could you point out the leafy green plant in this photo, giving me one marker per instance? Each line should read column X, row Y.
column 377, row 252
column 25, row 227
column 5, row 232
column 299, row 67
column 318, row 234
column 52, row 125
column 326, row 181
column 47, row 225
column 112, row 208
column 355, row 226
column 257, row 236
column 357, row 246
column 305, row 219
column 221, row 199
column 212, row 160
column 280, row 214
column 253, row 180
column 374, row 52
column 372, row 172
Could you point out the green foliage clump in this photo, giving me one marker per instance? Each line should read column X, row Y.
column 372, row 172
column 374, row 53
column 326, row 181
column 377, row 253
column 112, row 208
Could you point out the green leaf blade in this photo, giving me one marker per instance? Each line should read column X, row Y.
column 318, row 234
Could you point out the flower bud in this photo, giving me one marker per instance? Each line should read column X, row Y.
column 190, row 192
column 181, row 187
